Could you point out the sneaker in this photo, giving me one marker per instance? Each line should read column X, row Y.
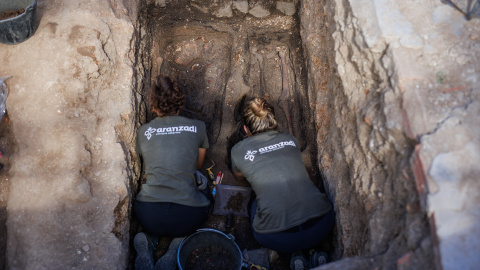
column 318, row 258
column 143, row 246
column 175, row 243
column 298, row 262
column 169, row 260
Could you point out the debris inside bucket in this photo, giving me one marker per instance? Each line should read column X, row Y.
column 212, row 257
column 9, row 13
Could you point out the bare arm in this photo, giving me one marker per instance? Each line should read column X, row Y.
column 239, row 176
column 201, row 157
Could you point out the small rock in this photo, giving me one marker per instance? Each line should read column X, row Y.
column 97, row 174
column 286, row 8
column 272, row 255
column 86, row 248
column 161, row 3
column 225, row 11
column 241, row 6
column 259, row 12
column 77, row 114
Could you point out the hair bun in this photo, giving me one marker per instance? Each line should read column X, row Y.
column 259, row 116
column 260, row 107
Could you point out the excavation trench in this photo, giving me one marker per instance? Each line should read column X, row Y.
column 289, row 58
column 220, row 63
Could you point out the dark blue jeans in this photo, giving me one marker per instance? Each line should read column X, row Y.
column 304, row 236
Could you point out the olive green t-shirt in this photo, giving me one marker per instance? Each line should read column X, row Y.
column 286, row 197
column 169, row 146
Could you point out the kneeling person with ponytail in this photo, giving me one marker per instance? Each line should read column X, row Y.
column 289, row 213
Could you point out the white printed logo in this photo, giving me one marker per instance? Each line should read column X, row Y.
column 250, row 155
column 274, row 147
column 169, row 130
column 149, row 132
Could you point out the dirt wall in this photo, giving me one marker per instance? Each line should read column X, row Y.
column 395, row 108
column 364, row 153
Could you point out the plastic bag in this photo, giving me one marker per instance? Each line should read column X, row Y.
column 3, row 97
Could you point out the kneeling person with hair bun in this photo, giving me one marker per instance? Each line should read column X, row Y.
column 289, row 213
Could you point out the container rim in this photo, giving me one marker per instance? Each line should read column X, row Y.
column 34, row 2
column 231, row 238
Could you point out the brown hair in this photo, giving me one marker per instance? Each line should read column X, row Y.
column 165, row 98
column 259, row 116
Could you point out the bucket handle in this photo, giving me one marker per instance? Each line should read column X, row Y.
column 229, row 236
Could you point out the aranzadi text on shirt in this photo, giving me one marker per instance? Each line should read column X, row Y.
column 169, row 130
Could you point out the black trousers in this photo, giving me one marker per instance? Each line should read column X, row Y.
column 304, row 236
column 169, row 219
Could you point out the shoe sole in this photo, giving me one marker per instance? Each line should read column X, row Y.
column 140, row 242
column 144, row 260
column 298, row 262
column 318, row 258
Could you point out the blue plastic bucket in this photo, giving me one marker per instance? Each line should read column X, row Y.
column 207, row 238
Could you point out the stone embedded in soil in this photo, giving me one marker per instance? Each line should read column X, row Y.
column 86, row 248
